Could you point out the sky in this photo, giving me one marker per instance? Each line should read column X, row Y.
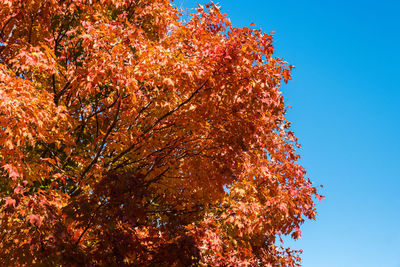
column 345, row 98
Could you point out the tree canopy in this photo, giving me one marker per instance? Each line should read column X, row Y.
column 133, row 133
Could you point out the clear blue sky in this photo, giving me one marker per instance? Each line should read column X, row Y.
column 345, row 97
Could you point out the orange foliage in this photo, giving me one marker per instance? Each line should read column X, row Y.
column 131, row 136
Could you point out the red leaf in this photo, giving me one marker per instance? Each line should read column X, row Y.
column 35, row 219
column 10, row 202
column 19, row 190
column 12, row 172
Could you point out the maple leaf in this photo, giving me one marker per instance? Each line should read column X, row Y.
column 35, row 219
column 19, row 190
column 12, row 172
column 10, row 202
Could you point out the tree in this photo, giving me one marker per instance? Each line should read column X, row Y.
column 132, row 136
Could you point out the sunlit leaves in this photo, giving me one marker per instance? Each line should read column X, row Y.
column 129, row 135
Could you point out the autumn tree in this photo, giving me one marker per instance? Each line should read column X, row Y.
column 133, row 133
